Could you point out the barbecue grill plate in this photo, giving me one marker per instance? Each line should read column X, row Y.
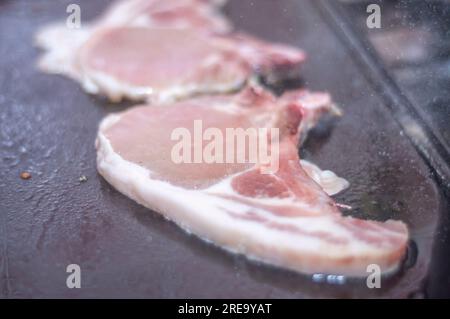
column 48, row 127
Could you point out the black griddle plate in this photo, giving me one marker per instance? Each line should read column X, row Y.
column 48, row 126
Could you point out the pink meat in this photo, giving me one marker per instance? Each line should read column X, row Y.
column 202, row 15
column 161, row 50
column 283, row 218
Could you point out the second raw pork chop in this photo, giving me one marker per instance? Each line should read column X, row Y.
column 163, row 64
column 147, row 49
column 281, row 217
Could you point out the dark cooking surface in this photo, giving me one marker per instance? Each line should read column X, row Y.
column 414, row 43
column 48, row 126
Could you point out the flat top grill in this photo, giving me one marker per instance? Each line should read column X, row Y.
column 48, row 126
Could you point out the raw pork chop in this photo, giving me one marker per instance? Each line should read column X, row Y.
column 163, row 64
column 142, row 49
column 282, row 218
column 61, row 43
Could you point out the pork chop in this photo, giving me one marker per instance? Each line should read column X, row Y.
column 165, row 64
column 160, row 51
column 61, row 43
column 281, row 217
